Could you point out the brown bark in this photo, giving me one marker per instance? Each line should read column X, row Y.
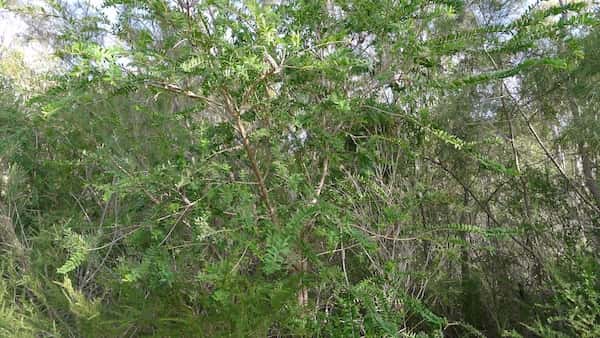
column 251, row 153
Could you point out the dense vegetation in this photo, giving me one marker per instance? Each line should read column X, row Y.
column 313, row 168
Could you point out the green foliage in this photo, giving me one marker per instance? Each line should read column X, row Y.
column 77, row 248
column 78, row 303
column 575, row 307
column 301, row 168
column 14, row 320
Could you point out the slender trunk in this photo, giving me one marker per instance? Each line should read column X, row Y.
column 251, row 153
column 465, row 271
column 588, row 174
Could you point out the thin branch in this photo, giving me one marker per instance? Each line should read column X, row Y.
column 338, row 250
column 116, row 240
column 479, row 203
column 250, row 152
column 183, row 213
column 319, row 188
column 556, row 164
column 178, row 90
column 542, row 145
column 344, row 263
column 237, row 264
column 87, row 217
column 234, row 148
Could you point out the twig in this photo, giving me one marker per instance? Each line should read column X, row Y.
column 178, row 90
column 234, row 148
column 337, row 250
column 319, row 188
column 114, row 241
column 237, row 264
column 479, row 203
column 344, row 262
column 87, row 217
column 183, row 213
column 187, row 245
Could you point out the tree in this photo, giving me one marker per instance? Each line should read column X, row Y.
column 337, row 168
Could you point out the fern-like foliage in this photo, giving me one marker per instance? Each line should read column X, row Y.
column 277, row 250
column 77, row 248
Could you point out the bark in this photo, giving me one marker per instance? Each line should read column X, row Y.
column 588, row 174
column 10, row 242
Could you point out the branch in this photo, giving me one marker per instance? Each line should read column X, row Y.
column 250, row 152
column 274, row 68
column 542, row 145
column 319, row 188
column 178, row 90
column 556, row 164
column 481, row 205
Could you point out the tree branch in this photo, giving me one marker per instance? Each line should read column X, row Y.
column 250, row 152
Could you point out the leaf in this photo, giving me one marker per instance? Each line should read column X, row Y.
column 77, row 249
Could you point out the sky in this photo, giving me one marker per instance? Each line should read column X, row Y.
column 36, row 54
column 10, row 25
